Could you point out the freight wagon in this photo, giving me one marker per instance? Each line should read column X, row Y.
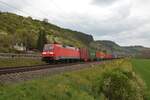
column 100, row 55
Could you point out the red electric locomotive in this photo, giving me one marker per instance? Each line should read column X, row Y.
column 55, row 52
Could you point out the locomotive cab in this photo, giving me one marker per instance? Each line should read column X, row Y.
column 48, row 52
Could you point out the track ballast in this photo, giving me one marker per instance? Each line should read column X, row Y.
column 10, row 70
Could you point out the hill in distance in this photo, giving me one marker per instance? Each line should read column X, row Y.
column 112, row 47
column 15, row 29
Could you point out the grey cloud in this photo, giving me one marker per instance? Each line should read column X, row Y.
column 109, row 26
column 138, row 36
column 12, row 6
column 103, row 2
column 117, row 22
column 127, row 30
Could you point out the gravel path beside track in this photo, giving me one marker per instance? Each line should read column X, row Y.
column 25, row 76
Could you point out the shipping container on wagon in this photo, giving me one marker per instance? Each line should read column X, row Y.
column 84, row 54
column 108, row 56
column 100, row 55
column 92, row 54
column 114, row 56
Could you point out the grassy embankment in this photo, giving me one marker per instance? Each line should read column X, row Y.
column 114, row 80
column 142, row 67
column 19, row 62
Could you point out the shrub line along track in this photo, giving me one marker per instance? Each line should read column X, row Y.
column 10, row 70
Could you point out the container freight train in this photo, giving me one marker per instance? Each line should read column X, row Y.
column 58, row 52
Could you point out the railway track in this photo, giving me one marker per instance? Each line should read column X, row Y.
column 16, row 75
column 10, row 70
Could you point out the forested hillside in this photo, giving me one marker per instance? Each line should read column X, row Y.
column 19, row 30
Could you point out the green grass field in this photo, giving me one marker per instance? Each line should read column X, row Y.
column 19, row 62
column 142, row 67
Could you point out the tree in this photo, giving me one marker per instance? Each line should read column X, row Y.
column 6, row 43
column 41, row 39
column 25, row 37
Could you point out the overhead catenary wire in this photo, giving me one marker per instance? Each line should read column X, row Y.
column 25, row 12
column 41, row 11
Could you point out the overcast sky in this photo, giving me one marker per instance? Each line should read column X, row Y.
column 127, row 22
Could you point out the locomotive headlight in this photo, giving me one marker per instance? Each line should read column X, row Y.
column 51, row 53
column 43, row 53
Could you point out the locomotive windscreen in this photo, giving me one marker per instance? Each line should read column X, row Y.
column 48, row 47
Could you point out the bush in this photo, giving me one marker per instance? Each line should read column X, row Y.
column 118, row 84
